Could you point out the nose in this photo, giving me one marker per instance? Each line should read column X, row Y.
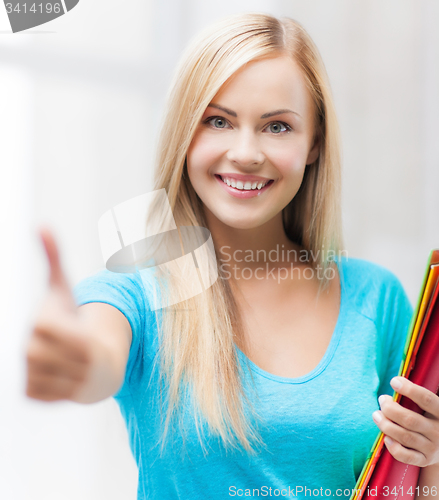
column 244, row 149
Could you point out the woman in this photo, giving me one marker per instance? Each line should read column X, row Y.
column 264, row 384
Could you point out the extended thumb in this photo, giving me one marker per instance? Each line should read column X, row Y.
column 57, row 278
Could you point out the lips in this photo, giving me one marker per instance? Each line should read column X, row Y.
column 244, row 178
column 244, row 186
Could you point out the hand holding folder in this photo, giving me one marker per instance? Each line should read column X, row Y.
column 383, row 476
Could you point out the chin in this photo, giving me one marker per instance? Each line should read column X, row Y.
column 243, row 222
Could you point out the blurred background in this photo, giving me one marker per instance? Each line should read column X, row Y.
column 81, row 100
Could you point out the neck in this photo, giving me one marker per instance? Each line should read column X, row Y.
column 252, row 248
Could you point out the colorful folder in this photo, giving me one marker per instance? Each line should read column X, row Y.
column 383, row 476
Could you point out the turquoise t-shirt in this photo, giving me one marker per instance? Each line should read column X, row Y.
column 317, row 429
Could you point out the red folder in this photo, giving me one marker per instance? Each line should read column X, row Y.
column 383, row 476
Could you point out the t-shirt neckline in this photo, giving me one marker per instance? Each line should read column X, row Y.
column 329, row 353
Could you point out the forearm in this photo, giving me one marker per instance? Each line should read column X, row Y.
column 105, row 374
column 428, row 484
column 107, row 364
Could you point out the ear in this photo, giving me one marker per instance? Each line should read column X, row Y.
column 314, row 151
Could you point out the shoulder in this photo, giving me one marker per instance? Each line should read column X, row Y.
column 132, row 294
column 365, row 273
column 129, row 289
column 370, row 287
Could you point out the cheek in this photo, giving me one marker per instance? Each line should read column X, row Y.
column 290, row 161
column 202, row 154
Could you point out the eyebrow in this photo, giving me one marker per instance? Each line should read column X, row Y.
column 265, row 115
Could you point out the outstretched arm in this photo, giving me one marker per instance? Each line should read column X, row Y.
column 74, row 353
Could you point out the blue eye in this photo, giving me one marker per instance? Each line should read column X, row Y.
column 276, row 127
column 220, row 122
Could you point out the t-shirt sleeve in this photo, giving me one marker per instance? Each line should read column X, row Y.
column 125, row 292
column 396, row 312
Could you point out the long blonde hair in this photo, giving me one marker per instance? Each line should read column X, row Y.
column 197, row 336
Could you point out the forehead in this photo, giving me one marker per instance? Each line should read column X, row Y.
column 275, row 81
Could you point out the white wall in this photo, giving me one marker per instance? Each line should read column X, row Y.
column 383, row 61
column 80, row 104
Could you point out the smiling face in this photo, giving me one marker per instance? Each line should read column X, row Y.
column 247, row 159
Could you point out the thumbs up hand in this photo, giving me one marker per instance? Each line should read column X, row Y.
column 59, row 351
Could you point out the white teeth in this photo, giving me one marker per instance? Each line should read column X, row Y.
column 247, row 186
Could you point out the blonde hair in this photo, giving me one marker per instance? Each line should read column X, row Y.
column 197, row 336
